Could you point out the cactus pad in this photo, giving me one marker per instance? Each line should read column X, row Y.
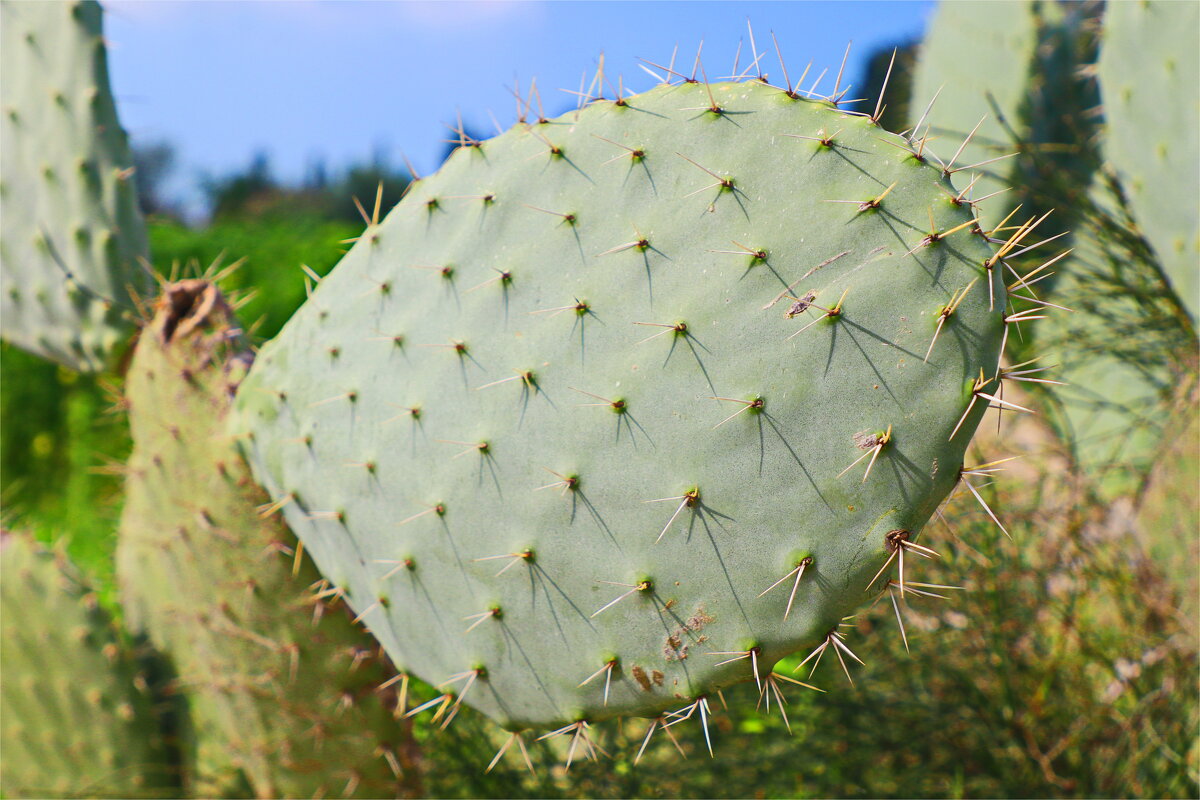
column 1149, row 76
column 999, row 40
column 283, row 688
column 558, row 423
column 79, row 716
column 72, row 233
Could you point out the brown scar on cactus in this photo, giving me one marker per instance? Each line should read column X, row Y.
column 830, row 313
column 639, row 675
column 800, row 304
column 791, row 286
column 674, row 648
column 873, row 443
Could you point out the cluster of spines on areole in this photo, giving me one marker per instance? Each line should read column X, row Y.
column 872, row 442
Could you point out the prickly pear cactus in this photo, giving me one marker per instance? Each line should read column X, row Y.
column 999, row 40
column 1029, row 103
column 79, row 715
column 1148, row 71
column 625, row 406
column 283, row 687
column 72, row 233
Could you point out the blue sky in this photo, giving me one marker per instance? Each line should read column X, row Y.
column 306, row 79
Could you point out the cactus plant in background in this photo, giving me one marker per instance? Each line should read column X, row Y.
column 558, row 425
column 82, row 716
column 73, row 234
column 1147, row 72
column 1027, row 114
column 283, row 689
column 977, row 106
column 1131, row 342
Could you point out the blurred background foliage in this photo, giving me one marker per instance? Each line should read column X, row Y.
column 1065, row 668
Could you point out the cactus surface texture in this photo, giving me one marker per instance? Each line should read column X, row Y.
column 72, row 234
column 283, row 688
column 559, row 423
column 1148, row 72
column 1031, row 103
column 999, row 39
column 80, row 719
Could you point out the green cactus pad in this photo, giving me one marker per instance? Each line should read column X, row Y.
column 572, row 367
column 72, row 234
column 1149, row 78
column 283, row 689
column 1028, row 92
column 80, row 719
column 974, row 66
